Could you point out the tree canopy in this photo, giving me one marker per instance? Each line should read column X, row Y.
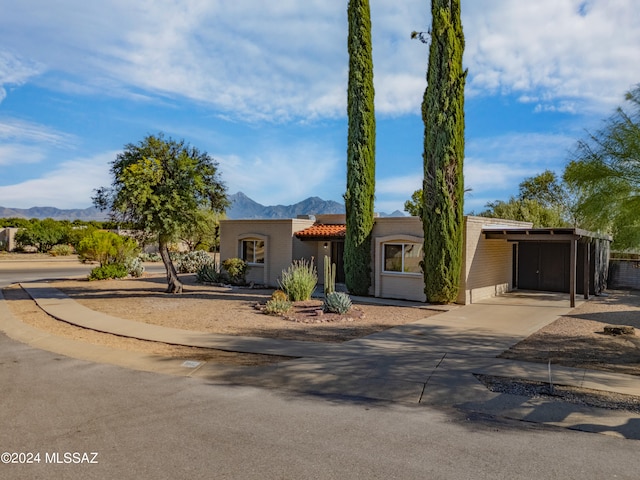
column 542, row 200
column 605, row 171
column 160, row 186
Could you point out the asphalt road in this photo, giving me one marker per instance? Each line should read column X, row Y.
column 55, row 409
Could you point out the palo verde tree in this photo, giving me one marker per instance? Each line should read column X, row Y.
column 360, row 150
column 605, row 171
column 443, row 184
column 159, row 186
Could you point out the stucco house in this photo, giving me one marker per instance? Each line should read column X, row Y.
column 499, row 255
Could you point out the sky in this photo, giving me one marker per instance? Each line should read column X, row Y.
column 261, row 86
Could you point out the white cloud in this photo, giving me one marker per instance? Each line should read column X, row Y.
column 279, row 175
column 15, row 71
column 580, row 55
column 288, row 60
column 70, row 185
column 11, row 154
column 26, row 132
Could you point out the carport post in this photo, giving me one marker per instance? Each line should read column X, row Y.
column 586, row 270
column 572, row 275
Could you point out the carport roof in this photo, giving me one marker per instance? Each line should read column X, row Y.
column 539, row 234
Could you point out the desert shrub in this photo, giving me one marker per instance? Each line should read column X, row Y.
column 150, row 257
column 211, row 274
column 237, row 270
column 191, row 262
column 279, row 295
column 111, row 270
column 203, row 246
column 134, row 266
column 106, row 248
column 299, row 280
column 61, row 250
column 336, row 302
column 277, row 306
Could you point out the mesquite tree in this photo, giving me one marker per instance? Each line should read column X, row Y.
column 443, row 184
column 161, row 186
column 360, row 150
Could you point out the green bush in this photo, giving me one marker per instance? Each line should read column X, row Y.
column 277, row 306
column 237, row 270
column 337, row 302
column 105, row 272
column 61, row 250
column 106, row 248
column 299, row 280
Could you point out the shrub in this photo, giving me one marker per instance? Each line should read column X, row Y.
column 277, row 306
column 61, row 250
column 150, row 257
column 105, row 272
column 193, row 261
column 134, row 266
column 106, row 247
column 336, row 302
column 211, row 274
column 299, row 280
column 237, row 270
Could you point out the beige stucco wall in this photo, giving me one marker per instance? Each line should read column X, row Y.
column 7, row 238
column 486, row 271
column 406, row 286
column 281, row 247
column 487, row 268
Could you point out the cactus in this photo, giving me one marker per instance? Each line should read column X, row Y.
column 279, row 296
column 277, row 306
column 329, row 276
column 337, row 302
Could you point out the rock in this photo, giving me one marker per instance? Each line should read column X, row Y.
column 619, row 330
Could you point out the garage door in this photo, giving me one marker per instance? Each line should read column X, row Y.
column 543, row 266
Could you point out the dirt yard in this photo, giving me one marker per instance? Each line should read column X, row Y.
column 231, row 311
column 578, row 339
column 575, row 340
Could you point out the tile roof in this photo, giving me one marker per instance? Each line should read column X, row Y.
column 323, row 231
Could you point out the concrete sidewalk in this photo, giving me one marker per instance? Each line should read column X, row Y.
column 430, row 362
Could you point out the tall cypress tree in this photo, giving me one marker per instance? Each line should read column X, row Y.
column 360, row 150
column 443, row 185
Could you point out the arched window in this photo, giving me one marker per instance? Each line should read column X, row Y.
column 252, row 250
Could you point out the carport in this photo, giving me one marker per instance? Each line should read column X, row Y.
column 567, row 260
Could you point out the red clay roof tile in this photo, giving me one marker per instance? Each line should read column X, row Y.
column 323, row 231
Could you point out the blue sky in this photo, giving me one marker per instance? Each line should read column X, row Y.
column 261, row 86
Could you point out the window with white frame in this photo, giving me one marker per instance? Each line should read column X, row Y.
column 402, row 257
column 252, row 251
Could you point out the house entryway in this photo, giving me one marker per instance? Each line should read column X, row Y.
column 337, row 257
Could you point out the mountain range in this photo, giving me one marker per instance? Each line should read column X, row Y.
column 242, row 207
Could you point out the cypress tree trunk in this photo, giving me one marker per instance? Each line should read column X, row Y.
column 443, row 187
column 360, row 151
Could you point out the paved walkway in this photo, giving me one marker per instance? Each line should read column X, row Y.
column 430, row 362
